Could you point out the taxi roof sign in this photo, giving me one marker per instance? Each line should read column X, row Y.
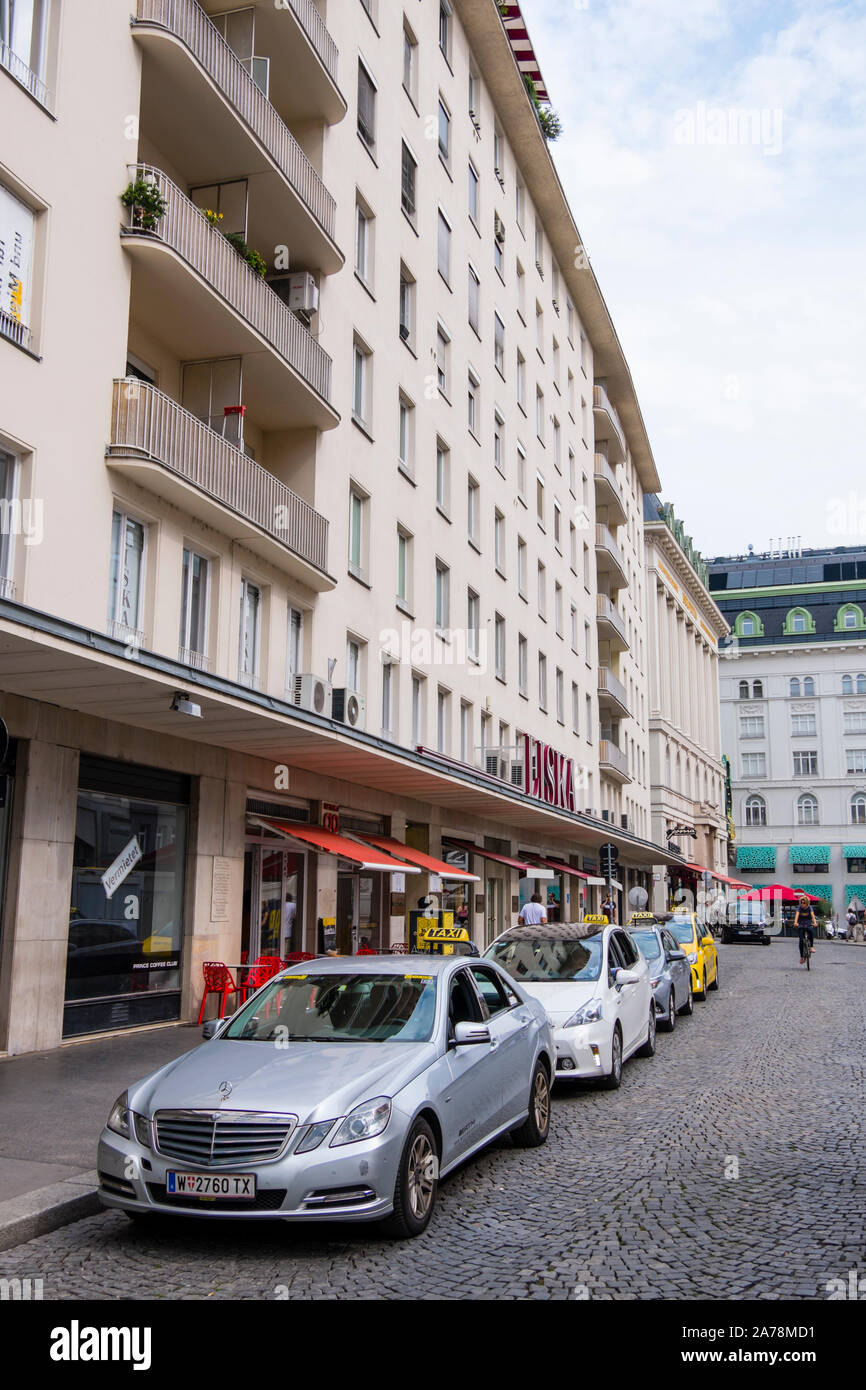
column 642, row 917
column 435, row 932
column 598, row 919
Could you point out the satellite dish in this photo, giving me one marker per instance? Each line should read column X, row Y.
column 638, row 898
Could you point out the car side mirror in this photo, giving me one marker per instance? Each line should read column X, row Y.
column 625, row 977
column 676, row 955
column 707, row 940
column 469, row 1034
column 212, row 1027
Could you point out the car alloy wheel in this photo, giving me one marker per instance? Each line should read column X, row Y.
column 417, row 1183
column 649, row 1047
column 715, row 983
column 536, row 1126
column 672, row 1011
column 614, row 1076
column 420, row 1171
column 689, row 1005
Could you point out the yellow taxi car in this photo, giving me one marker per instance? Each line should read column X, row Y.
column 698, row 942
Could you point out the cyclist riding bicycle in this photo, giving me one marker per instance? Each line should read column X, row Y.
column 806, row 924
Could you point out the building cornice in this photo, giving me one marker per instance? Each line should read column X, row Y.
column 491, row 50
column 658, row 534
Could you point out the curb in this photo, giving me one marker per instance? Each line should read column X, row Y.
column 36, row 1213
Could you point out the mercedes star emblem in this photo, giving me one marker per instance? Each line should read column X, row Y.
column 225, row 1090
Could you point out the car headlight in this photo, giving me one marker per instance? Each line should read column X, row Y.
column 589, row 1013
column 314, row 1136
column 656, row 981
column 364, row 1122
column 120, row 1118
column 692, row 957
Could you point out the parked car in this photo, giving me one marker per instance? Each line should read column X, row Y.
column 746, row 921
column 694, row 937
column 670, row 972
column 342, row 1090
column 595, row 988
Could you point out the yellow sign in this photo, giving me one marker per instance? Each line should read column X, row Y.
column 598, row 919
column 435, row 932
column 642, row 917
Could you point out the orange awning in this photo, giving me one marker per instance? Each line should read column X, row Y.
column 328, row 842
column 417, row 856
column 490, row 854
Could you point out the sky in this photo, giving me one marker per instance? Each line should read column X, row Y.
column 714, row 157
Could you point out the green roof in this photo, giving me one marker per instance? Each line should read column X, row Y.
column 854, row 851
column 809, row 854
column 756, row 856
column 855, row 890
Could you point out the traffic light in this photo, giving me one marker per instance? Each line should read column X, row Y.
column 608, row 858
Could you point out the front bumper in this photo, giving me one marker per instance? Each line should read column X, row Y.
column 661, row 994
column 354, row 1182
column 583, row 1052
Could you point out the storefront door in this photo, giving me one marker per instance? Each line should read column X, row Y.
column 359, row 898
column 273, row 901
column 495, row 922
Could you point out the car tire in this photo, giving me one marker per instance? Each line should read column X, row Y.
column 702, row 992
column 670, row 1023
column 715, row 983
column 688, row 1007
column 649, row 1047
column 727, row 939
column 415, row 1191
column 536, row 1127
column 613, row 1080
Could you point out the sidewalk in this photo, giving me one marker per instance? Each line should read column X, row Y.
column 53, row 1106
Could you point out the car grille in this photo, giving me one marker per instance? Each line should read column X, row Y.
column 217, row 1138
column 268, row 1199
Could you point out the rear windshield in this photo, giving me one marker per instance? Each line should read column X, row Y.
column 681, row 928
column 649, row 944
column 542, row 959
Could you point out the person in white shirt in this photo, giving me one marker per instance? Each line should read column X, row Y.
column 533, row 913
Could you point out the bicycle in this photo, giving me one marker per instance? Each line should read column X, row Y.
column 806, row 949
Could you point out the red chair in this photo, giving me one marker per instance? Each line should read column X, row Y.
column 399, row 949
column 258, row 974
column 295, row 958
column 217, row 980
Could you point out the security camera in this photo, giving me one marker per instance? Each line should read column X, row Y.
column 182, row 704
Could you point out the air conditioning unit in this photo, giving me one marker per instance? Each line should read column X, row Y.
column 303, row 292
column 588, row 811
column 492, row 764
column 312, row 693
column 348, row 707
column 517, row 771
column 498, row 228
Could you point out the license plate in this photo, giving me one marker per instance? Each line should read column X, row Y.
column 212, row 1185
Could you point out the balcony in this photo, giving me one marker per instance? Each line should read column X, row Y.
column 192, row 290
column 607, row 491
column 611, row 624
column 608, row 558
column 199, row 101
column 304, row 59
column 612, row 694
column 607, row 425
column 168, row 451
column 612, row 762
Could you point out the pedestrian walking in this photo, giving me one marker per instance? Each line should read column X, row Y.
column 533, row 913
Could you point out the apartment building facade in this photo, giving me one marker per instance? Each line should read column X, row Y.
column 688, row 792
column 301, row 343
column 794, row 718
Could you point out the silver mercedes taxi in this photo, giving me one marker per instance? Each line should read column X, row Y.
column 344, row 1089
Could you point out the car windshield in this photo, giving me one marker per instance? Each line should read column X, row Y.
column 681, row 927
column 338, row 1008
column 539, row 958
column 648, row 942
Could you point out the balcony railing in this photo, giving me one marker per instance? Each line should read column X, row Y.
column 7, row 587
column 317, row 32
column 601, row 401
column 604, row 541
column 604, row 474
column 152, row 426
column 609, row 613
column 188, row 22
column 188, row 232
column 14, row 330
column 18, row 69
column 611, row 756
column 609, row 684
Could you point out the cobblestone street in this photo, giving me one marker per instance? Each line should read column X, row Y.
column 629, row 1199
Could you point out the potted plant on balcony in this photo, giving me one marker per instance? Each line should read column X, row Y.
column 548, row 119
column 252, row 257
column 147, row 204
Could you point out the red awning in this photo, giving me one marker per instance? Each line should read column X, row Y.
column 783, row 893
column 417, row 856
column 329, row 842
column 488, row 854
column 559, row 868
column 734, row 882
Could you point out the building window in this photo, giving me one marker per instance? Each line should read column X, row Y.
column 474, row 190
column 752, row 726
column 521, row 566
column 806, row 764
column 744, row 690
column 557, row 607
column 442, row 720
column 364, row 224
column 799, row 620
column 557, row 455
column 539, row 330
column 539, row 500
column 443, row 360
column 410, row 63
column 757, row 690
column 17, row 235
column 748, row 625
column 443, row 247
column 499, row 645
column 539, row 413
column 521, row 381
column 855, row 760
column 588, row 717
column 858, row 809
column 542, row 681
column 353, row 663
column 756, row 810
column 389, row 703
column 465, row 732
column 521, row 473
column 443, row 595
column 294, row 646
column 406, row 434
column 24, row 43
column 754, row 764
column 250, row 635
column 362, row 360
column 498, row 154
column 498, row 443
column 473, row 618
column 542, row 590
column 8, row 497
column 407, row 305
column 807, row 809
column 473, row 508
column 408, row 182
column 499, row 345
column 575, row 708
column 499, row 541
column 793, row 687
column 473, row 404
column 474, row 301
column 557, row 525
column 574, row 628
column 194, row 608
column 560, row 696
column 358, row 530
column 444, row 133
column 803, row 724
column 366, row 108
column 808, row 686
column 539, row 248
column 855, row 723
column 443, row 476
column 404, row 569
column 418, row 685
column 126, row 582
column 522, row 660
column 445, row 29
column 519, row 202
column 572, row 546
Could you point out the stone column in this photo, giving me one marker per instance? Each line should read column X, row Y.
column 215, row 883
column 39, row 881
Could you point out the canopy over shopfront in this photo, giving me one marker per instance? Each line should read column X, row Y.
column 417, row 857
column 521, row 865
column 329, row 842
column 559, row 868
column 780, row 891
